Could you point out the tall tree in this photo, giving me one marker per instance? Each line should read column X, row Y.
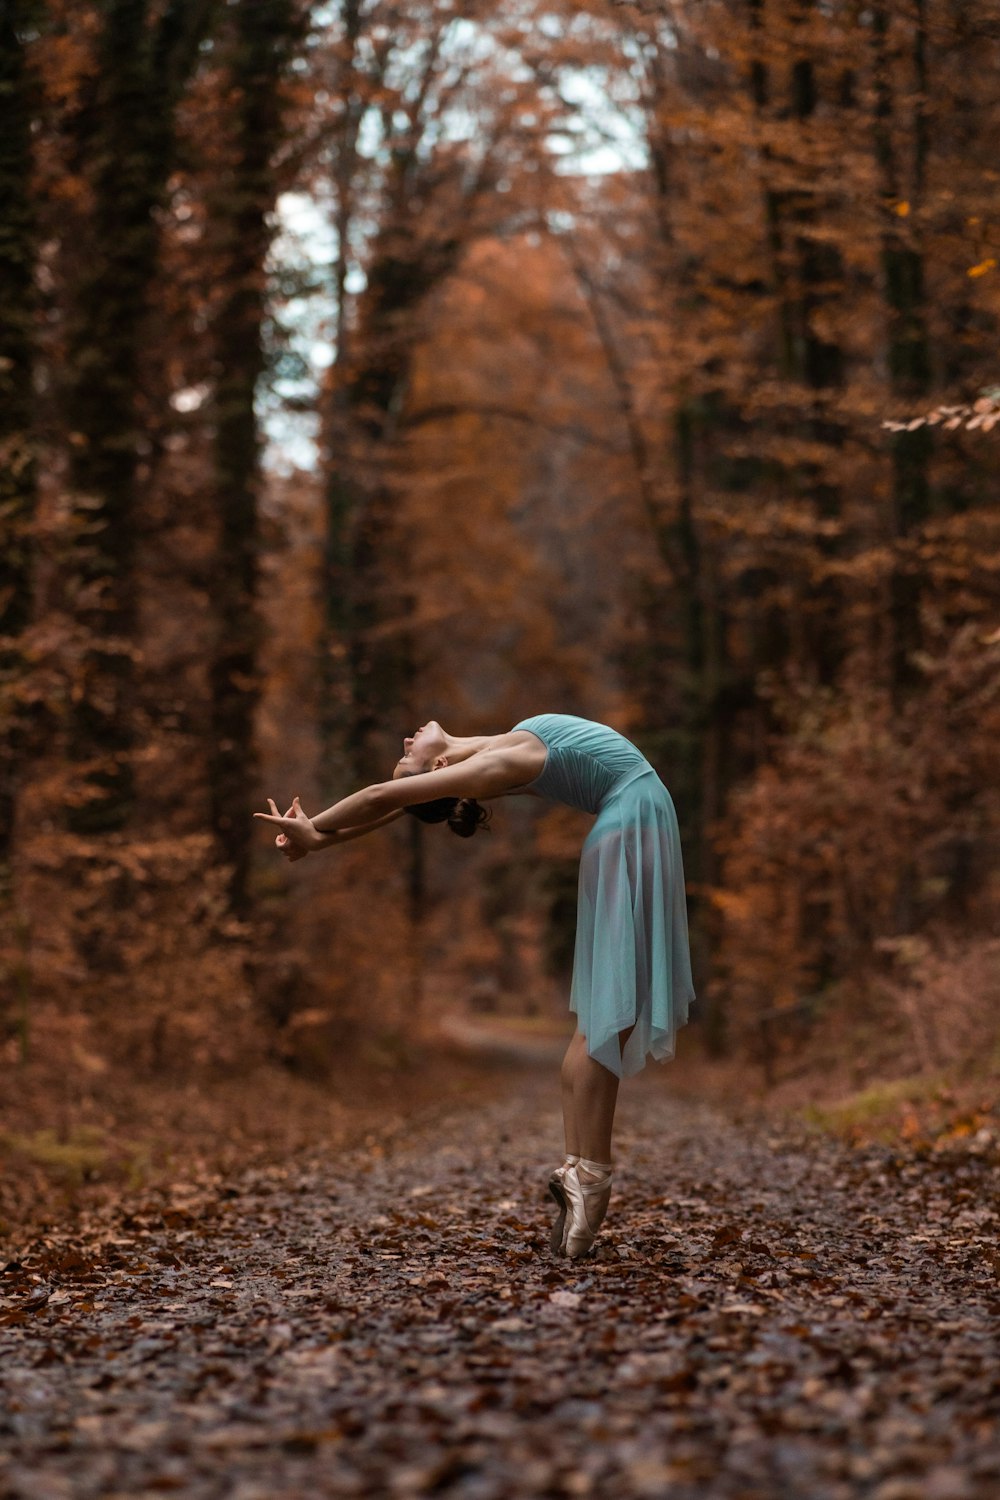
column 18, row 476
column 412, row 184
column 907, row 332
column 260, row 42
column 124, row 140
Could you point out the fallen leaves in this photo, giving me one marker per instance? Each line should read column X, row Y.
column 764, row 1315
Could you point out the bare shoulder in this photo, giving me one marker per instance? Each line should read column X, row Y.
column 507, row 764
column 515, row 738
column 520, row 753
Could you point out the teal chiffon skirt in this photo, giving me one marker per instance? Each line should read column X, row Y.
column 632, row 961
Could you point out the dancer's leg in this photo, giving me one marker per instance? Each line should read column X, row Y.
column 585, row 1188
column 567, row 1076
column 590, row 1094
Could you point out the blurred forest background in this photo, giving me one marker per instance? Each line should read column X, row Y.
column 362, row 362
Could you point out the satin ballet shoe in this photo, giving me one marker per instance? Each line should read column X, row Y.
column 558, row 1235
column 587, row 1203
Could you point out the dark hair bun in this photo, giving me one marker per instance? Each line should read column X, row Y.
column 464, row 815
column 467, row 816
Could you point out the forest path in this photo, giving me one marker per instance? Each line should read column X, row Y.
column 770, row 1315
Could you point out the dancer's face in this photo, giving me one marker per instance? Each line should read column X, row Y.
column 421, row 751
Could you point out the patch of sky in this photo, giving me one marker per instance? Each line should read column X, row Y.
column 600, row 133
column 298, row 332
column 607, row 134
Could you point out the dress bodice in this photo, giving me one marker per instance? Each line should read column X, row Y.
column 586, row 762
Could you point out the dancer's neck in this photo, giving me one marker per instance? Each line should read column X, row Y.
column 461, row 747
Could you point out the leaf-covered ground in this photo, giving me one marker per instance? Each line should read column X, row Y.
column 771, row 1314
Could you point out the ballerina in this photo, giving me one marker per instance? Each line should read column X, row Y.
column 632, row 985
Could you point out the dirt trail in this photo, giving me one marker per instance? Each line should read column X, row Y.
column 769, row 1315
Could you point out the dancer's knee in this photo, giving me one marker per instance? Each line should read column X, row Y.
column 569, row 1062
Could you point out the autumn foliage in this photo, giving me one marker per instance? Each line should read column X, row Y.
column 363, row 362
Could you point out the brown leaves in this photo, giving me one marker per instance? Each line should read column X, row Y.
column 983, row 414
column 399, row 1325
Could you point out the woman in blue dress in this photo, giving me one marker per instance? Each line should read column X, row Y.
column 631, row 968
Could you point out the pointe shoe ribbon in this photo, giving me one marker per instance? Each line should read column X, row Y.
column 587, row 1203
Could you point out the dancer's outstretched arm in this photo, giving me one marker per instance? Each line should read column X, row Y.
column 489, row 774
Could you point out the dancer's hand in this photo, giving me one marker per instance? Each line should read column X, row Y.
column 297, row 836
column 284, row 843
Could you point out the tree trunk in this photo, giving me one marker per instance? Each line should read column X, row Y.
column 367, row 651
column 908, row 338
column 807, row 275
column 17, row 459
column 336, row 673
column 678, row 682
column 260, row 41
column 368, row 645
column 125, row 143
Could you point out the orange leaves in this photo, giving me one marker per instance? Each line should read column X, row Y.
column 868, row 810
column 983, row 414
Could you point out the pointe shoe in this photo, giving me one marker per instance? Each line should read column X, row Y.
column 587, row 1204
column 558, row 1236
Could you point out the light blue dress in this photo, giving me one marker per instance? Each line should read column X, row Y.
column 632, row 962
